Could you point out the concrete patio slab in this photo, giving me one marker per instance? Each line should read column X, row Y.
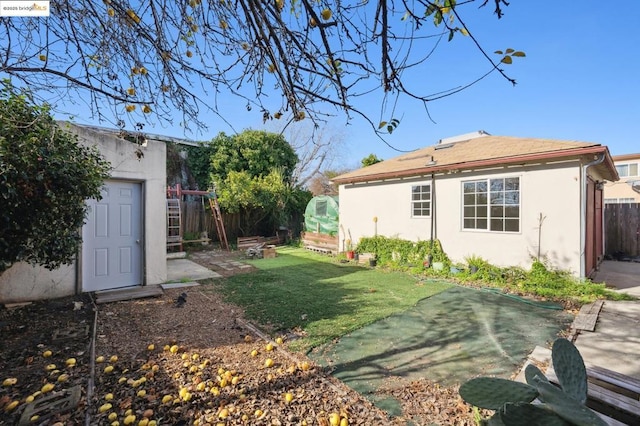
column 624, row 276
column 615, row 343
column 186, row 270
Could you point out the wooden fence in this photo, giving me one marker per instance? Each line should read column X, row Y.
column 195, row 221
column 622, row 229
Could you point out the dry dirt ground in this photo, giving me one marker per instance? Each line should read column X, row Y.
column 159, row 361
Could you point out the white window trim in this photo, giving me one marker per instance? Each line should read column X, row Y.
column 430, row 201
column 488, row 230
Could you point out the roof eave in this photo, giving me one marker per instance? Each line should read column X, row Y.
column 470, row 165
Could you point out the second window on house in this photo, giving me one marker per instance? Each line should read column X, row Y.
column 491, row 204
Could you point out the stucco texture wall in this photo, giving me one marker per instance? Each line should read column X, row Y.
column 552, row 191
column 150, row 169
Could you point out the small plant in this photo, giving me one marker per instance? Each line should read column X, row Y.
column 512, row 401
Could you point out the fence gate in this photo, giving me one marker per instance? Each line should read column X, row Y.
column 622, row 229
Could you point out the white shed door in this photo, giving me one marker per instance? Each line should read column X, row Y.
column 112, row 238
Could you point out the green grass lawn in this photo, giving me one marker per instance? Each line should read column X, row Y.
column 324, row 298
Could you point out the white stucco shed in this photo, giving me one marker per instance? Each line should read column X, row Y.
column 124, row 239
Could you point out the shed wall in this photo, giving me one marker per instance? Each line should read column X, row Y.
column 23, row 282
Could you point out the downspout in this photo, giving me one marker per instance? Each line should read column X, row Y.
column 433, row 216
column 583, row 216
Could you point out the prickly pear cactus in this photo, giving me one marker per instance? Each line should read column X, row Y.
column 492, row 393
column 554, row 406
column 566, row 406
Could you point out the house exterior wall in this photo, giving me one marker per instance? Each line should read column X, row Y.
column 551, row 190
column 620, row 191
column 23, row 282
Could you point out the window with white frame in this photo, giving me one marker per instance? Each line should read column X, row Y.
column 491, row 204
column 421, row 201
column 619, row 200
column 627, row 170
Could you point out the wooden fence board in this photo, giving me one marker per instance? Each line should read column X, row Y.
column 622, row 229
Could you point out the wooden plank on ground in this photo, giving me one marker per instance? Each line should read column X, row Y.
column 604, row 396
column 588, row 316
column 619, row 380
column 128, row 294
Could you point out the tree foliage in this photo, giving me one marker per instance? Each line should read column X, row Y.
column 252, row 173
column 136, row 59
column 370, row 160
column 45, row 178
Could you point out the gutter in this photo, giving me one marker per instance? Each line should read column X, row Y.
column 583, row 215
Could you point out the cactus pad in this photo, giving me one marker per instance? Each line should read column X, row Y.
column 532, row 371
column 565, row 406
column 530, row 415
column 493, row 393
column 569, row 367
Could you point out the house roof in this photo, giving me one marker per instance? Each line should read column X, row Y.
column 481, row 151
column 626, row 157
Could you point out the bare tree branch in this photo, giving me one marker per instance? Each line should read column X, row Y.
column 144, row 60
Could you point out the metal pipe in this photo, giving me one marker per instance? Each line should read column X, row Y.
column 583, row 215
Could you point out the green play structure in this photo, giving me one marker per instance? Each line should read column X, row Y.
column 321, row 215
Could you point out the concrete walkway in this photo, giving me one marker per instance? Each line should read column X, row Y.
column 615, row 342
column 624, row 276
column 186, row 270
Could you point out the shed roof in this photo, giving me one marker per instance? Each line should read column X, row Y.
column 481, row 151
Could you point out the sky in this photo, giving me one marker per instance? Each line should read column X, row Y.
column 580, row 80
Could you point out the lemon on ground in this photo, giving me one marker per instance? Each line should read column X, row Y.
column 288, row 397
column 113, row 359
column 47, row 354
column 268, row 363
column 100, row 359
column 105, row 407
column 48, row 387
column 334, row 419
column 108, row 369
column 10, row 381
column 11, row 406
column 269, row 347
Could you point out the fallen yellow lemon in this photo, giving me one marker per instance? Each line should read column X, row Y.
column 10, row 381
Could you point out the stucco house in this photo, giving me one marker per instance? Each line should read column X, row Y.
column 124, row 238
column 622, row 191
column 505, row 199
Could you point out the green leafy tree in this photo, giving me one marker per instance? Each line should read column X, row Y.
column 252, row 173
column 45, row 179
column 369, row 160
column 287, row 59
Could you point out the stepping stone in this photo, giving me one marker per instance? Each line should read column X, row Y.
column 71, row 333
column 49, row 406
